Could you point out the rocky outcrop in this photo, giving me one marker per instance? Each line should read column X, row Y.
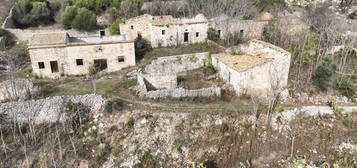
column 46, row 110
column 17, row 89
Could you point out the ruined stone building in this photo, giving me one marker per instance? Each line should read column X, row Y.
column 56, row 54
column 247, row 29
column 166, row 30
column 257, row 69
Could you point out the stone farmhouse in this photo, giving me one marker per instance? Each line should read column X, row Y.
column 247, row 29
column 57, row 54
column 260, row 69
column 166, row 30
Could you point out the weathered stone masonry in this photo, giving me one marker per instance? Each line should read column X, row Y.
column 56, row 54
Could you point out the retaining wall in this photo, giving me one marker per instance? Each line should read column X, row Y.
column 160, row 81
column 181, row 92
column 143, row 88
column 177, row 63
column 46, row 110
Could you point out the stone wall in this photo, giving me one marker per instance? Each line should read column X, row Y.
column 181, row 92
column 260, row 80
column 144, row 90
column 255, row 81
column 249, row 29
column 26, row 34
column 66, row 57
column 174, row 35
column 2, row 43
column 46, row 110
column 159, row 81
column 21, row 89
column 177, row 63
column 173, row 32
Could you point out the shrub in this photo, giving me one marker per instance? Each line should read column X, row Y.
column 323, row 74
column 40, row 13
column 271, row 33
column 32, row 13
column 68, row 15
column 142, row 46
column 347, row 86
column 209, row 69
column 114, row 27
column 212, row 34
column 55, row 5
column 262, row 4
column 130, row 123
column 84, row 20
column 113, row 104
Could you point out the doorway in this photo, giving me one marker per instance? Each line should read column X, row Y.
column 54, row 66
column 185, row 37
column 100, row 64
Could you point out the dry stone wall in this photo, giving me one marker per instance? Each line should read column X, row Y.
column 181, row 92
column 160, row 81
column 177, row 63
column 143, row 90
column 46, row 110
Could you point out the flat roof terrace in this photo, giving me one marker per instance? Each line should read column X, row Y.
column 244, row 61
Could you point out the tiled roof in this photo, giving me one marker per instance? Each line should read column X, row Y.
column 48, row 38
column 244, row 61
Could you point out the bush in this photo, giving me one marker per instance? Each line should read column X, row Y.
column 142, row 46
column 272, row 33
column 262, row 4
column 40, row 13
column 347, row 86
column 32, row 13
column 84, row 20
column 114, row 27
column 323, row 74
column 212, row 34
column 68, row 16
column 112, row 105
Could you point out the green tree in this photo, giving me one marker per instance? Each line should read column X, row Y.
column 84, row 20
column 40, row 13
column 68, row 16
column 347, row 86
column 32, row 13
column 141, row 47
column 323, row 74
column 212, row 34
column 114, row 27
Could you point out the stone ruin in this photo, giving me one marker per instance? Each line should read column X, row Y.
column 159, row 79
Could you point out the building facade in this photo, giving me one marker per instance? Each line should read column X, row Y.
column 56, row 54
column 261, row 70
column 166, row 30
column 247, row 29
